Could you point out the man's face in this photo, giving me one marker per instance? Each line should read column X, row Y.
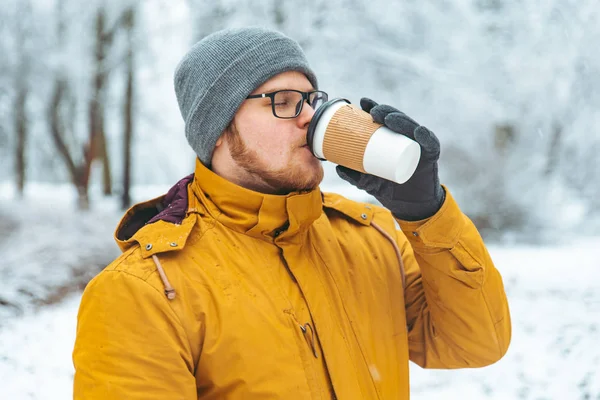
column 268, row 154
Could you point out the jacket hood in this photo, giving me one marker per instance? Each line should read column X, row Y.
column 165, row 211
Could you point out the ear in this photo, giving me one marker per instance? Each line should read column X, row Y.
column 219, row 141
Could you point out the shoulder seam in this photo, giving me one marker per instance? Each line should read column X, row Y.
column 122, row 258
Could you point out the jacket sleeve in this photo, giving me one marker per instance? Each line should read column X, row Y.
column 456, row 308
column 130, row 343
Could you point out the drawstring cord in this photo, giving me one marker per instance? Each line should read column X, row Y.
column 169, row 291
column 396, row 249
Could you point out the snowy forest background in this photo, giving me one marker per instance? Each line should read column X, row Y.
column 89, row 124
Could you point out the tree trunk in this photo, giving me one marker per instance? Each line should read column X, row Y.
column 57, row 129
column 98, row 148
column 21, row 127
column 60, row 95
column 106, row 170
column 23, row 37
column 128, row 111
column 553, row 150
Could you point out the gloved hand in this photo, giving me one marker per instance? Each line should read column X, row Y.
column 422, row 195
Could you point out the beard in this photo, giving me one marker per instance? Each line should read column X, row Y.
column 295, row 177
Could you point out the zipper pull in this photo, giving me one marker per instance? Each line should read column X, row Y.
column 311, row 340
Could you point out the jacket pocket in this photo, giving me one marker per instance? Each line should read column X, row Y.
column 469, row 269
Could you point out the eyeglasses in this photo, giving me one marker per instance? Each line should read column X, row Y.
column 288, row 104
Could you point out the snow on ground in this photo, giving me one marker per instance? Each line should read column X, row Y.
column 35, row 353
column 554, row 295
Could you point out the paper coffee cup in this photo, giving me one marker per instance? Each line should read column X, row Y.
column 346, row 135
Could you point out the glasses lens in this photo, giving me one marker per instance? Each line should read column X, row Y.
column 287, row 103
column 317, row 99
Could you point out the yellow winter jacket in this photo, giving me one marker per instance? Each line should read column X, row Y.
column 285, row 297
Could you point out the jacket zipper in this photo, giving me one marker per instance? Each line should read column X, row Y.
column 307, row 330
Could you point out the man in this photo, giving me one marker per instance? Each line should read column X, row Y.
column 246, row 282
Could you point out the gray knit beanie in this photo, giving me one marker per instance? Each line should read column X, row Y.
column 215, row 76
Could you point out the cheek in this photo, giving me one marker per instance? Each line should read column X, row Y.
column 268, row 141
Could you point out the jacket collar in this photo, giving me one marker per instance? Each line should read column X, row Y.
column 263, row 216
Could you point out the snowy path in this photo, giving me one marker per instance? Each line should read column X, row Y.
column 554, row 296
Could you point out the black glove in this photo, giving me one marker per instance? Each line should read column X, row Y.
column 422, row 195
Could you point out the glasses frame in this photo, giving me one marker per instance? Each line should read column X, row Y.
column 305, row 98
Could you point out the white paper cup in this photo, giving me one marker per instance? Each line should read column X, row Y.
column 346, row 135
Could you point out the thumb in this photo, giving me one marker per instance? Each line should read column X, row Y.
column 367, row 104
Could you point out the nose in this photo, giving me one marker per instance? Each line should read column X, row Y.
column 305, row 115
